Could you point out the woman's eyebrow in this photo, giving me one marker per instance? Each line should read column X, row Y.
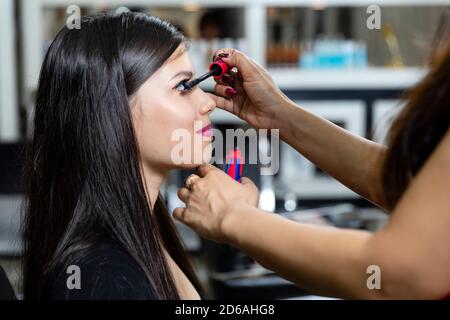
column 183, row 73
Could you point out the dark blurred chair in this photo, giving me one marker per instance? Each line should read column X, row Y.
column 11, row 162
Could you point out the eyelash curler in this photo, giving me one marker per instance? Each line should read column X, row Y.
column 216, row 69
column 234, row 164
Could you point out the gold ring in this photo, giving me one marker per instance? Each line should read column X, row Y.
column 187, row 183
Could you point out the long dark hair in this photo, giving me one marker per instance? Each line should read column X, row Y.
column 421, row 125
column 83, row 176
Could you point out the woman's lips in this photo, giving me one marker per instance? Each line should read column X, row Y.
column 206, row 131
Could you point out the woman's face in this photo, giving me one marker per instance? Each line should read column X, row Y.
column 172, row 126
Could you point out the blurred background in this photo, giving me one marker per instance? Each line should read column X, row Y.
column 319, row 52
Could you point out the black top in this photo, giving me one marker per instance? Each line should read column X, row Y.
column 106, row 272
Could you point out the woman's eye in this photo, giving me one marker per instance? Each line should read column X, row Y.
column 181, row 82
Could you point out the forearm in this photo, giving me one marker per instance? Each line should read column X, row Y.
column 352, row 160
column 324, row 260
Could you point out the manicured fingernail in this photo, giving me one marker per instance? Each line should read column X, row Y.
column 227, row 79
column 220, row 56
column 230, row 92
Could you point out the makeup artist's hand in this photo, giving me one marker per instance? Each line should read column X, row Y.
column 210, row 197
column 250, row 93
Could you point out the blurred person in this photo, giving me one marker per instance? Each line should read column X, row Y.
column 212, row 24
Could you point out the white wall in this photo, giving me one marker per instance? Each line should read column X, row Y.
column 9, row 112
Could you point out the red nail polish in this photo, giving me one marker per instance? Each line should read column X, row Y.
column 220, row 56
column 230, row 92
column 227, row 79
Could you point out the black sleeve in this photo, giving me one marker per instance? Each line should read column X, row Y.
column 106, row 273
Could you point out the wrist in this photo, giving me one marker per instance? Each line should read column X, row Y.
column 293, row 123
column 232, row 221
column 285, row 111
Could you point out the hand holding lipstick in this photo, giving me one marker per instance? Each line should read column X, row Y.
column 210, row 197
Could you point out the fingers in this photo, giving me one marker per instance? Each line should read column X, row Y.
column 205, row 168
column 222, row 53
column 225, row 91
column 179, row 214
column 182, row 215
column 189, row 182
column 234, row 58
column 226, row 80
column 183, row 194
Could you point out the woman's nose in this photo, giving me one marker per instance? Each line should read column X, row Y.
column 206, row 103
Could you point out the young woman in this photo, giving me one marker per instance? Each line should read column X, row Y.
column 106, row 108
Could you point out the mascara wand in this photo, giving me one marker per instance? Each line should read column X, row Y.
column 216, row 69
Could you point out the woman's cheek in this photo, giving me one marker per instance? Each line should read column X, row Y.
column 179, row 128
